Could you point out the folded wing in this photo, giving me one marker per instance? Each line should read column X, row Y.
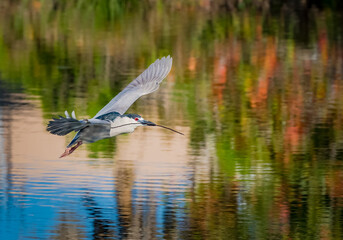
column 145, row 83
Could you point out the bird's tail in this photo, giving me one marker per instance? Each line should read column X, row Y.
column 62, row 126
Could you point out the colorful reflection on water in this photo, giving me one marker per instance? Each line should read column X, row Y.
column 257, row 89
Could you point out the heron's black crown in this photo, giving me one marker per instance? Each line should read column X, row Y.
column 132, row 115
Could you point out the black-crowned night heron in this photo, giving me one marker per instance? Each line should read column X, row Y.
column 111, row 121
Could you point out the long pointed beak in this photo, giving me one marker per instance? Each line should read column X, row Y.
column 69, row 150
column 147, row 123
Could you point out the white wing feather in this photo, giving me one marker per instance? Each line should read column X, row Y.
column 145, row 83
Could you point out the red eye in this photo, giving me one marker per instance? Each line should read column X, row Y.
column 136, row 119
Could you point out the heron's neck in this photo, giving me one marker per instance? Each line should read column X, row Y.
column 122, row 124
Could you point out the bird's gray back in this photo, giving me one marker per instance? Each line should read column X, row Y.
column 109, row 116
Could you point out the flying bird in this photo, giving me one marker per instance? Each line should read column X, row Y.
column 111, row 120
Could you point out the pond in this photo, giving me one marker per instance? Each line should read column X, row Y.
column 256, row 87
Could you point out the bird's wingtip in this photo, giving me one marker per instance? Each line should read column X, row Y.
column 73, row 114
column 167, row 60
column 66, row 113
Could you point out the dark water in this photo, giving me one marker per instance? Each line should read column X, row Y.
column 256, row 87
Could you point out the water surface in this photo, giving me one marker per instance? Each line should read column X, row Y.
column 256, row 89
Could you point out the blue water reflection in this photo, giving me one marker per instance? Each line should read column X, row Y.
column 89, row 206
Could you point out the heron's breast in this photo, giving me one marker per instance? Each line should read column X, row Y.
column 116, row 130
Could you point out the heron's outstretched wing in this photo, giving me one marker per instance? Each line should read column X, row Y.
column 145, row 83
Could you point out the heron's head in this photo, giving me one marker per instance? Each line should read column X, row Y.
column 135, row 118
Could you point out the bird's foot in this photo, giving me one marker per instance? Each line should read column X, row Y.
column 69, row 150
